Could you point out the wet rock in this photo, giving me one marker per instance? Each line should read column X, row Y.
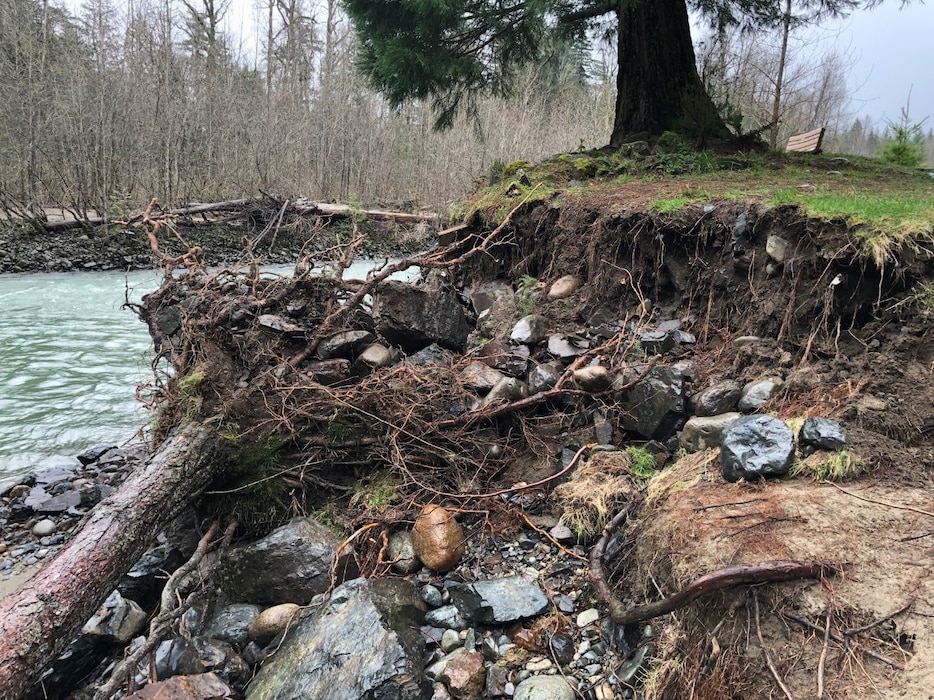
column 756, row 447
column 464, row 676
column 344, row 344
column 593, row 378
column 776, row 248
column 562, row 348
column 437, row 538
column 280, row 324
column 415, row 316
column 446, row 617
column 92, row 454
column 716, row 399
column 480, row 376
column 81, row 655
column 271, row 622
column 544, row 688
column 220, row 657
column 118, row 619
column 328, row 372
column 290, row 565
column 499, row 601
column 564, row 287
column 656, row 342
column 701, row 432
column 169, row 320
column 232, row 623
column 530, row 330
column 823, row 434
column 432, row 596
column 178, row 657
column 654, row 407
column 561, row 646
column 756, row 393
column 401, row 552
column 320, row 656
column 145, row 580
column 543, row 377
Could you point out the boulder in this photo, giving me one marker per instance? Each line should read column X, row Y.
column 654, row 408
column 415, row 316
column 499, row 601
column 718, row 398
column 822, row 434
column 702, row 432
column 756, row 393
column 755, row 447
column 363, row 643
column 290, row 565
column 231, row 624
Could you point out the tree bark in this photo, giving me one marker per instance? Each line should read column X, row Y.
column 38, row 621
column 658, row 88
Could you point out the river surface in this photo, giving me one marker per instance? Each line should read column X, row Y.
column 70, row 361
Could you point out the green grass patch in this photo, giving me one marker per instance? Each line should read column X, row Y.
column 835, row 466
column 669, row 206
column 643, row 463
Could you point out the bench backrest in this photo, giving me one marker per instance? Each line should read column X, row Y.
column 808, row 142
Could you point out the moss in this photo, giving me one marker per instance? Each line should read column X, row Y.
column 643, row 462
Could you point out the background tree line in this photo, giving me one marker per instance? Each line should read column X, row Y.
column 107, row 106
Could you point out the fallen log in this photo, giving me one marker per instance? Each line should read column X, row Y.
column 39, row 620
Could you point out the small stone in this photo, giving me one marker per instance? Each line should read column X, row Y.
column 530, row 330
column 373, row 357
column 564, row 287
column 822, row 433
column 507, row 390
column 401, row 552
column 563, row 534
column 702, row 432
column 437, row 538
column 588, row 617
column 544, row 688
column 716, row 399
column 593, row 378
column 776, row 248
column 44, row 528
column 746, row 340
column 450, row 640
column 447, row 616
column 755, row 394
column 464, row 676
column 271, row 622
column 432, row 596
column 540, row 665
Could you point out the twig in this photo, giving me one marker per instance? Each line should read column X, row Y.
column 555, row 542
column 823, row 654
column 840, row 639
column 865, row 628
column 883, row 503
column 768, row 657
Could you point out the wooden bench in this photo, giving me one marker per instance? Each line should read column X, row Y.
column 808, row 142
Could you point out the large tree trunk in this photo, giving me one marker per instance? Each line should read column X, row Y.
column 38, row 621
column 658, row 88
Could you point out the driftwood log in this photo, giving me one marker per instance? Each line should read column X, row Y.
column 39, row 620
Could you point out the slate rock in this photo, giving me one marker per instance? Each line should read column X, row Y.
column 231, row 624
column 328, row 372
column 290, row 565
column 756, row 393
column 92, row 454
column 656, row 342
column 178, row 657
column 507, row 358
column 530, row 330
column 344, row 344
column 71, row 667
column 716, row 399
column 118, row 619
column 655, row 406
column 414, row 316
column 320, row 656
column 702, row 432
column 499, row 601
column 543, row 377
column 446, row 617
column 756, row 447
column 146, row 579
column 562, row 348
column 823, row 434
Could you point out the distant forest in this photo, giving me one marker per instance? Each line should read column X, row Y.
column 119, row 102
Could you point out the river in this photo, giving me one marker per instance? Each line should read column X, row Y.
column 70, row 361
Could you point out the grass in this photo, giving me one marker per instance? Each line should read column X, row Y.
column 668, row 206
column 837, row 466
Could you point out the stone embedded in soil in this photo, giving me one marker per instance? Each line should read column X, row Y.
column 564, row 287
column 654, row 407
column 290, row 565
column 401, row 552
column 822, row 433
column 756, row 447
column 320, row 656
column 593, row 378
column 756, row 393
column 716, row 399
column 437, row 538
column 344, row 344
column 530, row 329
column 499, row 601
column 702, row 432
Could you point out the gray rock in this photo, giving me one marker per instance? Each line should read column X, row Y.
column 450, row 640
column 756, row 393
column 373, row 357
column 447, row 616
column 118, row 619
column 593, row 378
column 344, row 344
column 530, row 330
column 745, row 340
column 756, row 446
column 717, row 399
column 415, row 316
column 505, row 357
column 290, row 565
column 656, row 342
column 58, row 504
column 432, row 596
column 561, row 347
column 543, row 377
column 480, row 376
column 564, row 287
column 544, row 688
column 328, row 372
column 320, row 656
column 484, row 295
column 776, row 248
column 231, row 624
column 654, row 407
column 499, row 601
column 92, row 454
column 279, row 324
column 44, row 528
column 701, row 432
column 822, row 433
column 178, row 657
column 401, row 552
